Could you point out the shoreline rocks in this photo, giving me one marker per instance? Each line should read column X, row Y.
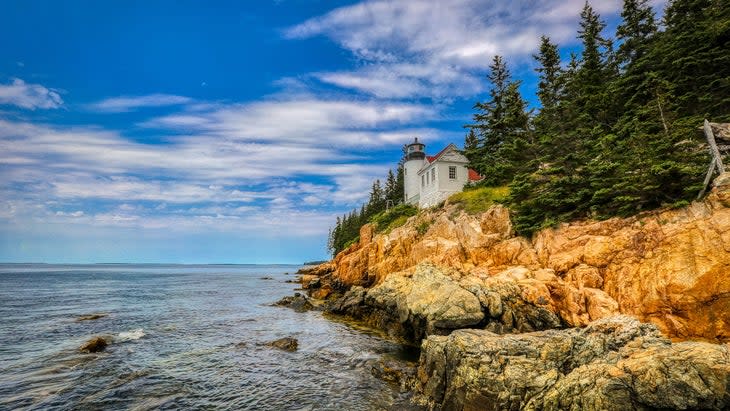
column 286, row 344
column 615, row 363
column 95, row 344
column 578, row 317
column 667, row 267
column 297, row 302
column 498, row 343
column 430, row 302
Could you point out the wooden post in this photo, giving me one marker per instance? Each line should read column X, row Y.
column 707, row 179
column 713, row 146
column 716, row 161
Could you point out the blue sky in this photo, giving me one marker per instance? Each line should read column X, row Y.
column 197, row 132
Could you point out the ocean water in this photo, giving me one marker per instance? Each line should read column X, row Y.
column 183, row 337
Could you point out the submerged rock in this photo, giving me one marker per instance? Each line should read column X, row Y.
column 297, row 302
column 95, row 344
column 89, row 317
column 399, row 373
column 286, row 344
column 616, row 363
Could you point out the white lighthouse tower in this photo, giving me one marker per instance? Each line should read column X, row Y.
column 415, row 157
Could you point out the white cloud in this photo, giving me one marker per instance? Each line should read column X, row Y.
column 242, row 164
column 420, row 48
column 131, row 103
column 303, row 120
column 77, row 213
column 29, row 96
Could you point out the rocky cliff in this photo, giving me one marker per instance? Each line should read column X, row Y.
column 615, row 363
column 667, row 267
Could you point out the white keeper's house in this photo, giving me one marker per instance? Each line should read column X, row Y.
column 430, row 180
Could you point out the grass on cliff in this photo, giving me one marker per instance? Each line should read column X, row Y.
column 479, row 199
column 395, row 217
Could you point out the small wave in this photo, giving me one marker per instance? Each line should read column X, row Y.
column 130, row 335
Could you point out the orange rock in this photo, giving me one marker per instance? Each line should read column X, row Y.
column 668, row 267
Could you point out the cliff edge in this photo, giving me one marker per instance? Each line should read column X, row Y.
column 666, row 267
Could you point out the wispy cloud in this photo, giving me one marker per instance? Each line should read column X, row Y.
column 131, row 103
column 305, row 120
column 29, row 96
column 436, row 49
column 250, row 166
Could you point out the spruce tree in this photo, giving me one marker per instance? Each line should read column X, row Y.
column 549, row 88
column 637, row 27
column 489, row 121
column 498, row 123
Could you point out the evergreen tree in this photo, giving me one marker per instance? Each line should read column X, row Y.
column 376, row 203
column 400, row 184
column 589, row 83
column 518, row 152
column 560, row 189
column 392, row 192
column 549, row 88
column 693, row 55
column 489, row 121
column 634, row 32
column 490, row 147
column 471, row 142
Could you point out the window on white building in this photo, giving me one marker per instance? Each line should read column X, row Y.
column 433, row 175
column 428, row 182
column 423, row 181
column 452, row 172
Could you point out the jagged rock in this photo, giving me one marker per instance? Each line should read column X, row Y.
column 286, row 344
column 297, row 302
column 322, row 293
column 309, row 281
column 96, row 344
column 317, row 270
column 397, row 372
column 615, row 363
column 667, row 267
column 352, row 303
column 429, row 302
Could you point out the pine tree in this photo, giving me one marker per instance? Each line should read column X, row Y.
column 376, row 202
column 693, row 55
column 549, row 88
column 560, row 189
column 471, row 142
column 392, row 193
column 634, row 32
column 489, row 121
column 491, row 142
column 399, row 182
column 594, row 72
column 518, row 151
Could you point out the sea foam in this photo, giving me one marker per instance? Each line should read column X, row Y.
column 130, row 335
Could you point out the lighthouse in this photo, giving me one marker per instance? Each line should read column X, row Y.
column 415, row 157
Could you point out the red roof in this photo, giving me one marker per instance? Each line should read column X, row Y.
column 431, row 159
column 474, row 176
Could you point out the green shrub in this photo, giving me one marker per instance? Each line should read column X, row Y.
column 423, row 226
column 395, row 217
column 479, row 199
column 351, row 242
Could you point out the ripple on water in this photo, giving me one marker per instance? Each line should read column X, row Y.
column 182, row 338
